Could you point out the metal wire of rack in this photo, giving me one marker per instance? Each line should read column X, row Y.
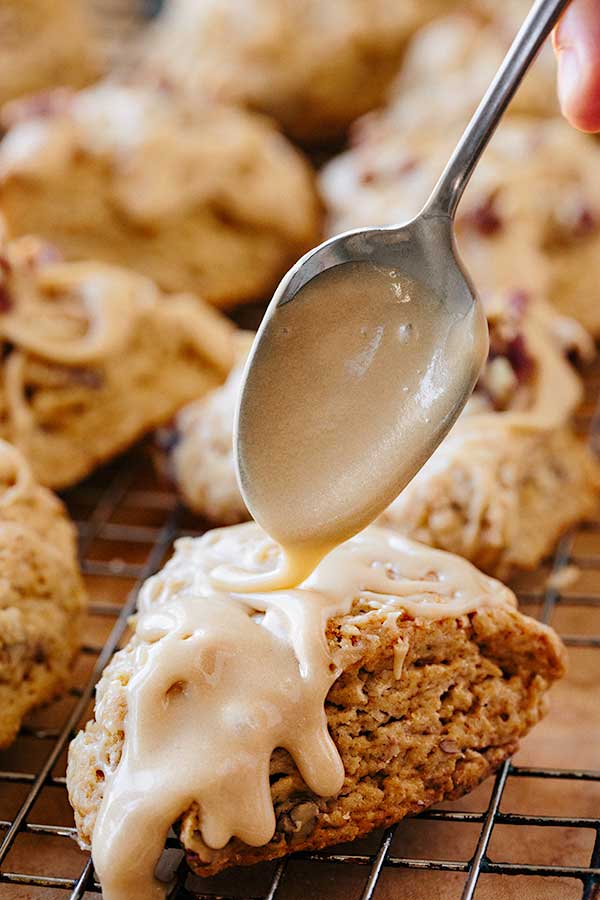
column 127, row 522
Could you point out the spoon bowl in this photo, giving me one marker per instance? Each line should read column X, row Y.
column 364, row 359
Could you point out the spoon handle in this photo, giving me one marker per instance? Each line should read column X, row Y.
column 533, row 32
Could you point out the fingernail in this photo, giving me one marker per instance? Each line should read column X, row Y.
column 569, row 76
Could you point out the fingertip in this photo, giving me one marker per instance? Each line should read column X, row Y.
column 581, row 107
column 579, row 90
column 577, row 45
column 584, row 118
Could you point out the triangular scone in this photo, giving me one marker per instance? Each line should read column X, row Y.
column 468, row 689
column 94, row 356
column 42, row 597
column 45, row 44
column 205, row 198
column 427, row 697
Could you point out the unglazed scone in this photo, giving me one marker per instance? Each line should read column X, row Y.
column 45, row 44
column 212, row 200
column 314, row 66
column 511, row 476
column 433, row 678
column 530, row 216
column 42, row 598
column 94, row 356
column 505, row 484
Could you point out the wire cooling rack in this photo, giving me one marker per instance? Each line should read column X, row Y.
column 533, row 833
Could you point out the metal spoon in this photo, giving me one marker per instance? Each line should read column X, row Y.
column 334, row 419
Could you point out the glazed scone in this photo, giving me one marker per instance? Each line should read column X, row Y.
column 42, row 594
column 435, row 676
column 45, row 44
column 499, row 496
column 313, row 66
column 94, row 356
column 214, row 201
column 530, row 217
column 501, row 489
column 511, row 476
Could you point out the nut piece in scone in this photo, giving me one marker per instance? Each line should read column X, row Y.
column 313, row 66
column 530, row 216
column 42, row 598
column 45, row 44
column 422, row 707
column 212, row 200
column 94, row 356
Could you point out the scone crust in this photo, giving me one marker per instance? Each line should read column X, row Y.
column 201, row 461
column 450, row 63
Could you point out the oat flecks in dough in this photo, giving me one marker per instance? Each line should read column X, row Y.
column 471, row 685
column 314, row 66
column 42, row 594
column 45, row 44
column 94, row 356
column 201, row 198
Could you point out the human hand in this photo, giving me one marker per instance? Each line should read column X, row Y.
column 576, row 42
